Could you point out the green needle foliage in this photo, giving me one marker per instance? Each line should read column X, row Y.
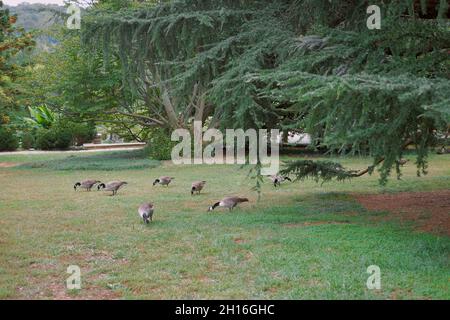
column 318, row 170
column 311, row 65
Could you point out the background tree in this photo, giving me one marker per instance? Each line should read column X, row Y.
column 12, row 41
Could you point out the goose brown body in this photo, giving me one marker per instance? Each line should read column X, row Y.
column 164, row 180
column 402, row 161
column 86, row 184
column 113, row 186
column 197, row 186
column 228, row 202
column 146, row 211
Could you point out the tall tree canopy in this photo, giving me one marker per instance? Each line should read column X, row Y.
column 12, row 42
column 291, row 64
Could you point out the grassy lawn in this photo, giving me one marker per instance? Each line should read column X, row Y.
column 109, row 161
column 301, row 241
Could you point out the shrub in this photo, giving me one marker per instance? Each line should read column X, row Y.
column 8, row 140
column 54, row 138
column 159, row 146
column 81, row 132
column 63, row 134
column 28, row 140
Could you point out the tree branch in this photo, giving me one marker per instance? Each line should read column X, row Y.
column 145, row 119
column 368, row 169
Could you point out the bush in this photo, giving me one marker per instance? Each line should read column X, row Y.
column 54, row 138
column 8, row 140
column 159, row 146
column 81, row 132
column 28, row 141
column 63, row 134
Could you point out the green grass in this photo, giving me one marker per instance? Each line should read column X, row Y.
column 119, row 160
column 301, row 241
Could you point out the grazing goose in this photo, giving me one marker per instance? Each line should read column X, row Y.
column 402, row 161
column 112, row 186
column 146, row 211
column 164, row 180
column 197, row 186
column 228, row 202
column 86, row 184
column 277, row 179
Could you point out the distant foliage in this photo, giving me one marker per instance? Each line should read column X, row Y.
column 41, row 117
column 36, row 16
column 8, row 140
column 13, row 41
column 55, row 131
column 55, row 138
column 28, row 141
column 64, row 134
column 81, row 132
column 159, row 146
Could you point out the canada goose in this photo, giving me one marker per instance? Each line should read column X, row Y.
column 402, row 161
column 112, row 186
column 164, row 180
column 277, row 179
column 228, row 202
column 197, row 186
column 146, row 211
column 86, row 184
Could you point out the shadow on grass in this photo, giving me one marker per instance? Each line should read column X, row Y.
column 107, row 161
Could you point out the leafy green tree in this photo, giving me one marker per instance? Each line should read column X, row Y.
column 78, row 86
column 12, row 41
column 8, row 140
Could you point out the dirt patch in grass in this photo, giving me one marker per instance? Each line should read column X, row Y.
column 48, row 278
column 430, row 211
column 8, row 164
column 54, row 287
